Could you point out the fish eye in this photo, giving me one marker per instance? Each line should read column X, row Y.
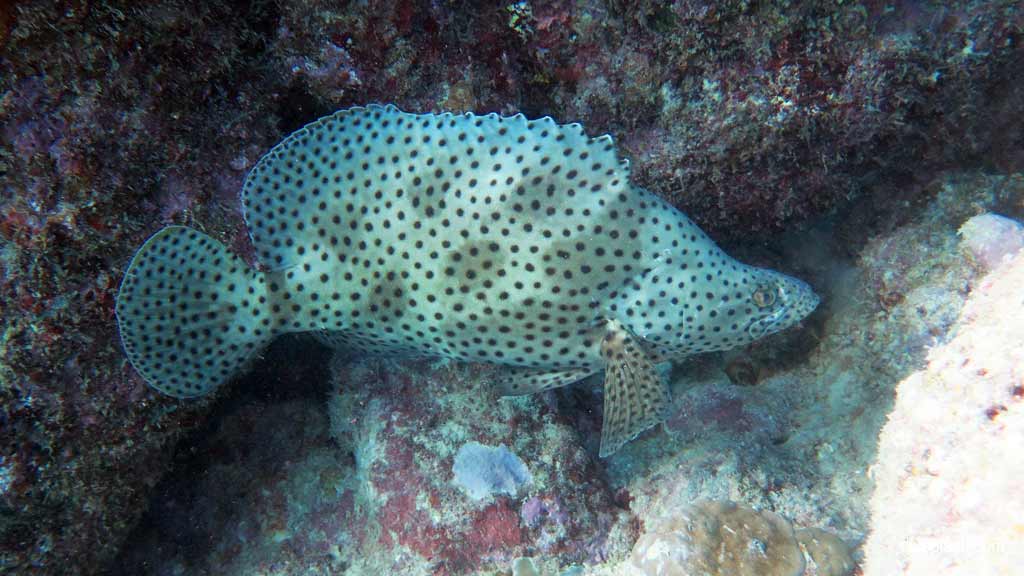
column 763, row 297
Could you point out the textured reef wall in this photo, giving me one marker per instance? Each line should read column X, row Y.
column 116, row 119
column 377, row 484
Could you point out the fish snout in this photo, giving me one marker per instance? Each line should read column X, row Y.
column 803, row 298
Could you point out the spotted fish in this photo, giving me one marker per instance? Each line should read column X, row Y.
column 479, row 238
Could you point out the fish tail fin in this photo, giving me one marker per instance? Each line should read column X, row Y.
column 635, row 398
column 191, row 314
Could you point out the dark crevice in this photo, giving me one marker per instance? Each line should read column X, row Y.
column 293, row 368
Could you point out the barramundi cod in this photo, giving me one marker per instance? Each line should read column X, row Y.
column 479, row 238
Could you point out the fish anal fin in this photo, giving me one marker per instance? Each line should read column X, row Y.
column 522, row 381
column 635, row 396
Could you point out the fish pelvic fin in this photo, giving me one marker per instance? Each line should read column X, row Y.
column 191, row 314
column 635, row 397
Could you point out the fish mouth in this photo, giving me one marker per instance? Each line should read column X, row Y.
column 814, row 305
column 809, row 303
column 800, row 297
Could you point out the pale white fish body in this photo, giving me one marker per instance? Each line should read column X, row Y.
column 478, row 238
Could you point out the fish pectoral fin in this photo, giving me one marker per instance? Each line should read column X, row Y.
column 522, row 381
column 635, row 396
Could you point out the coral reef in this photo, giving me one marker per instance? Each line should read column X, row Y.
column 373, row 486
column 718, row 538
column 726, row 539
column 749, row 116
column 752, row 117
column 406, row 427
column 947, row 497
column 104, row 135
column 825, row 554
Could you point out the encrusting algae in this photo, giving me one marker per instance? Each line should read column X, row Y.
column 480, row 238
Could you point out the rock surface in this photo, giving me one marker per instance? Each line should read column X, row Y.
column 947, row 498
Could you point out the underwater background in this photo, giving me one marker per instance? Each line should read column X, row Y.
column 872, row 149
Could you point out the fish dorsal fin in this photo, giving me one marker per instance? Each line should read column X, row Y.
column 635, row 397
column 325, row 182
column 522, row 381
